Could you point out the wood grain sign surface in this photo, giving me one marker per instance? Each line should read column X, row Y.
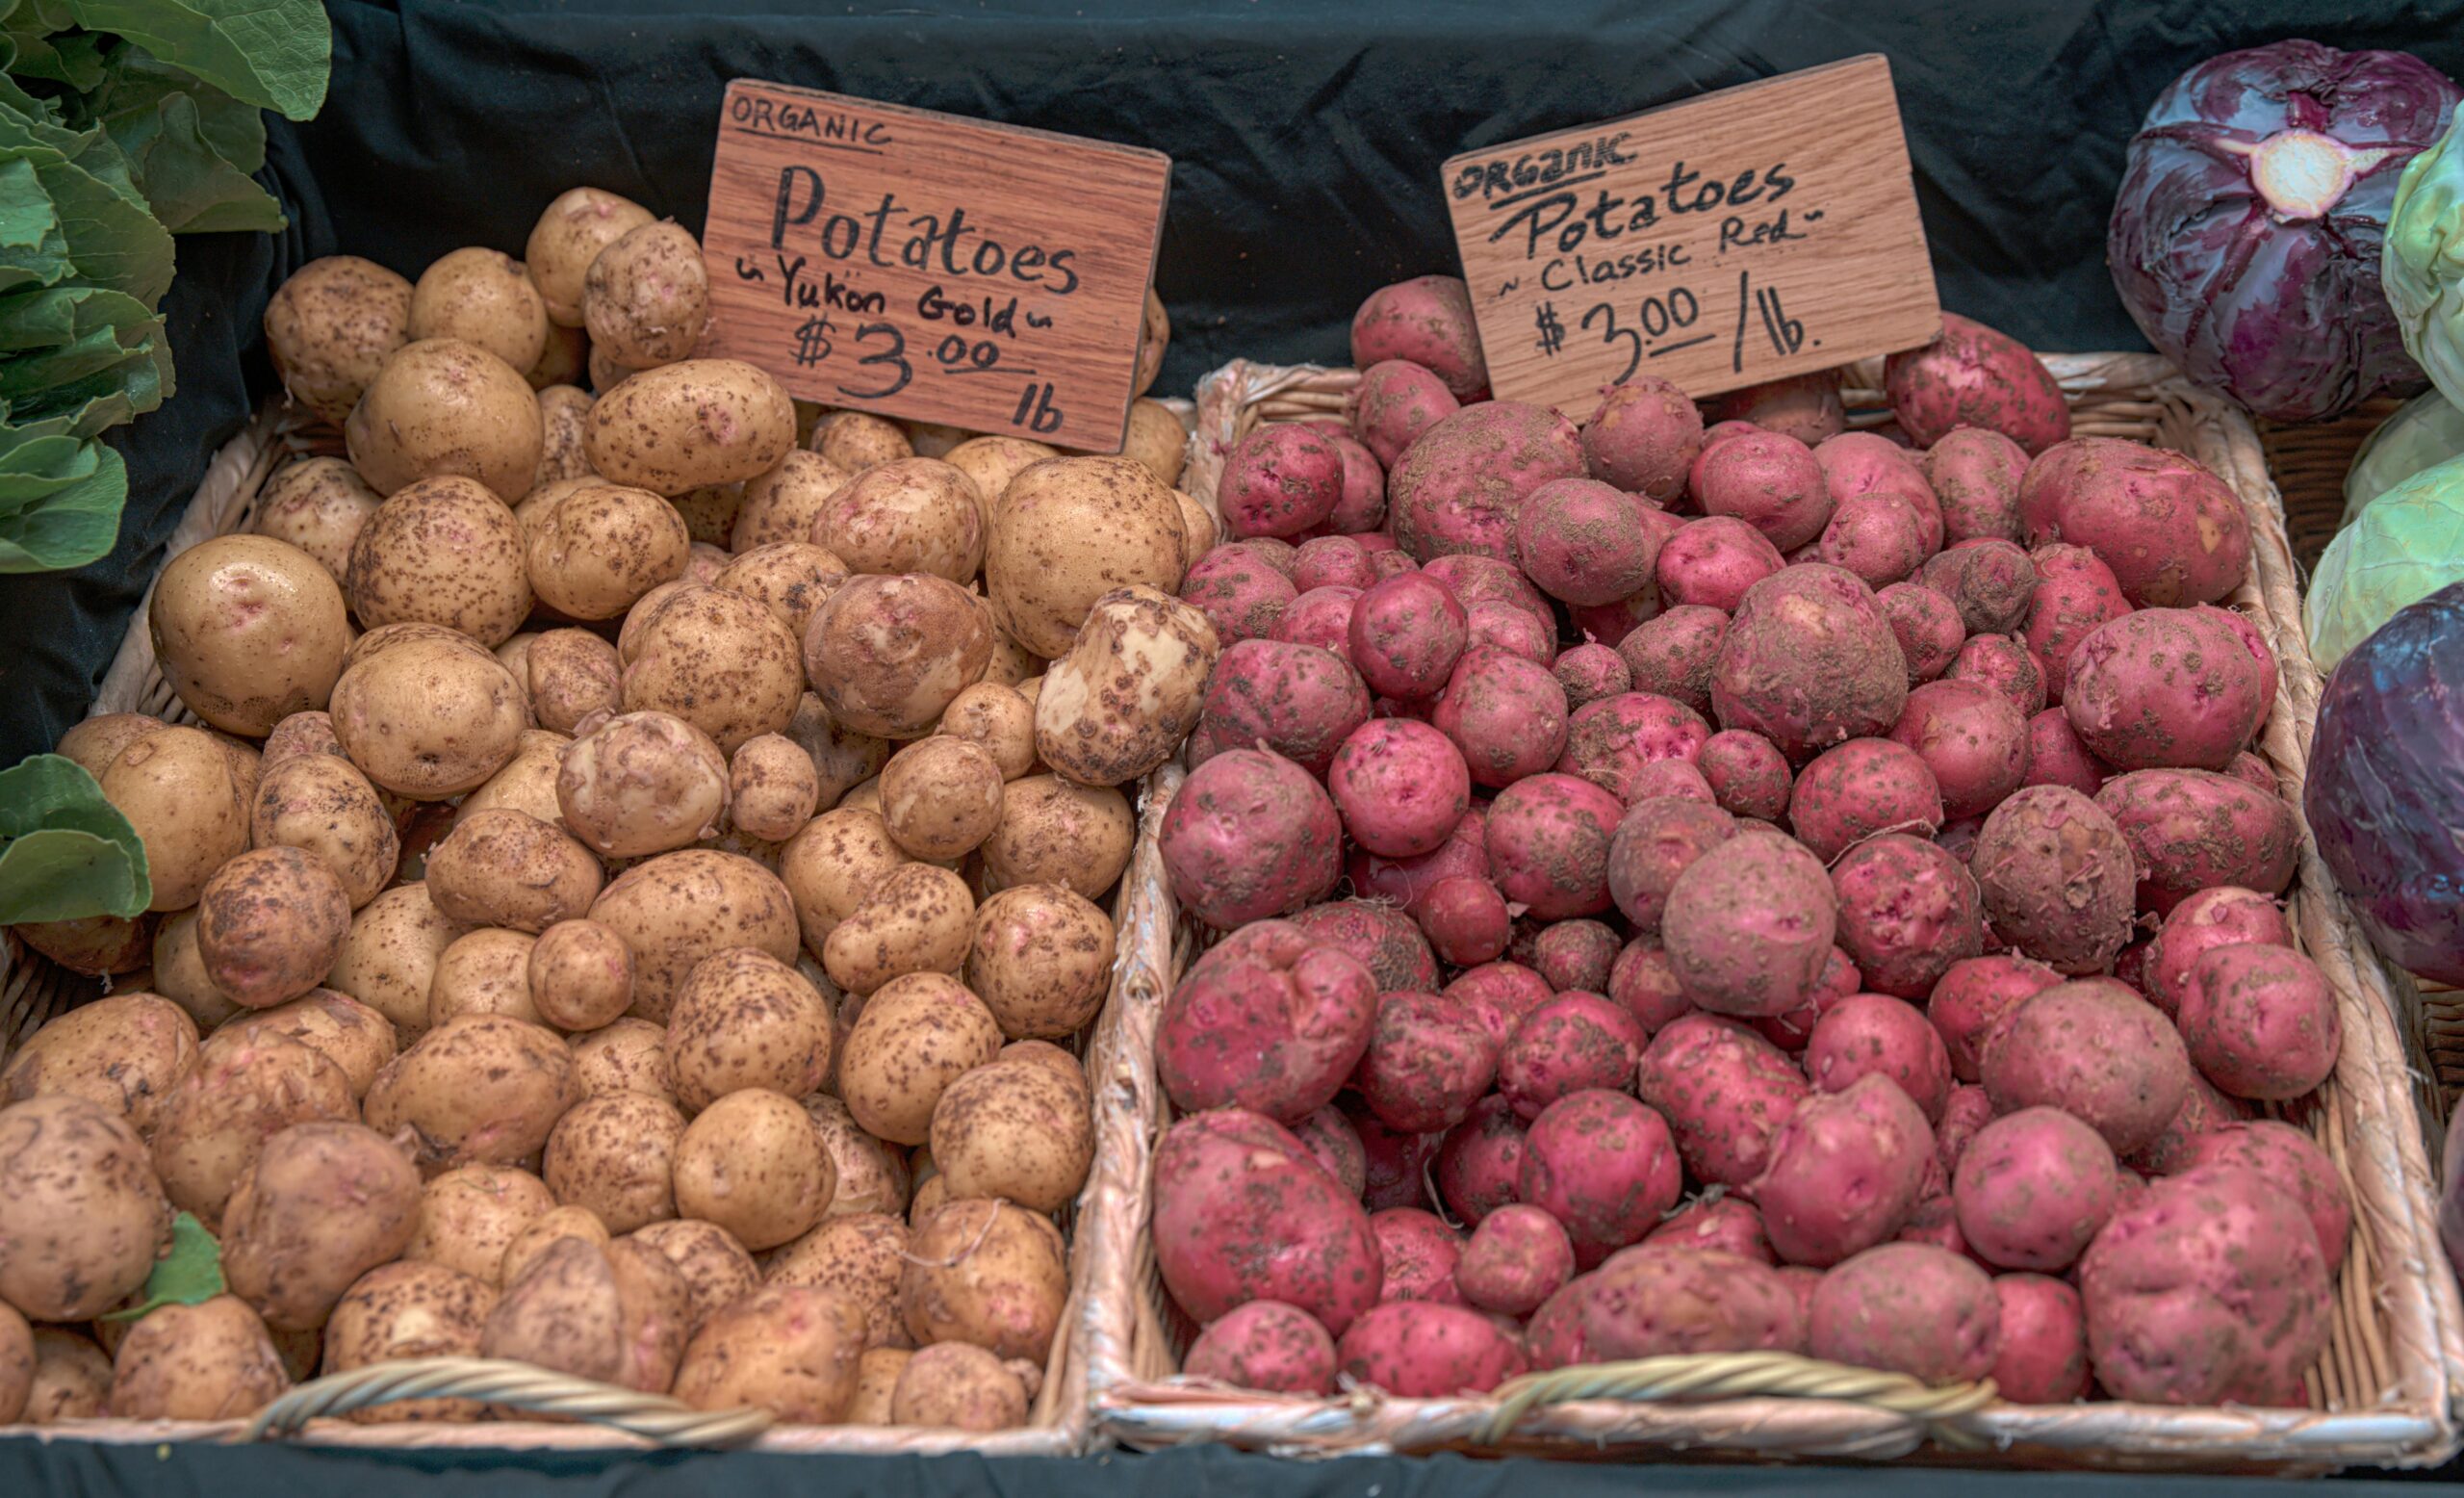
column 1759, row 232
column 920, row 264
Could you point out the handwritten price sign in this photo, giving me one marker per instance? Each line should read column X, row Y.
column 920, row 264
column 1745, row 235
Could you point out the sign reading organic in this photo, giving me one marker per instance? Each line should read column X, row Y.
column 924, row 266
column 1759, row 232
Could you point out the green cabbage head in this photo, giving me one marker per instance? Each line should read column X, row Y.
column 2423, row 266
column 2406, row 545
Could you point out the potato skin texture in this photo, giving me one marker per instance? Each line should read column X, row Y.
column 124, row 1052
column 409, row 1309
column 389, row 956
column 688, row 423
column 570, row 234
column 481, row 296
column 509, row 869
column 720, row 662
column 675, row 909
column 269, row 926
column 744, row 1018
column 208, row 1361
column 788, row 1349
column 247, row 629
column 1067, row 531
column 323, row 1204
column 1129, row 690
column 429, row 719
column 247, row 1086
column 322, row 803
column 645, row 297
column 916, row 1035
column 483, row 1089
column 1014, row 1129
column 331, row 328
column 442, row 406
column 81, row 1214
column 614, row 1153
column 1040, row 959
column 1005, row 1296
column 176, row 788
column 752, row 1164
column 887, row 655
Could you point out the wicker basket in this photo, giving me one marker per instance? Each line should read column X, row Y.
column 32, row 989
column 2384, row 1394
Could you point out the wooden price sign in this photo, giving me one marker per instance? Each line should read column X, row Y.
column 1759, row 232
column 920, row 264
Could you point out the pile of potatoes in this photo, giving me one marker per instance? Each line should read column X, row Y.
column 631, row 895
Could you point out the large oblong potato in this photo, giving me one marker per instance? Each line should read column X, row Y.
column 602, row 547
column 643, row 782
column 509, row 869
column 720, row 662
column 331, row 326
column 445, row 406
column 917, row 919
column 688, row 423
column 208, row 1361
column 391, row 954
column 81, row 1215
column 568, row 236
column 788, row 1349
column 1069, row 530
column 444, row 550
column 320, row 1206
column 989, row 1273
column 917, row 514
column 322, row 803
column 429, row 719
column 410, row 1309
column 479, row 1088
column 270, row 924
column 125, row 1051
column 679, row 908
column 1128, row 692
column 176, row 788
column 248, row 629
column 646, row 296
column 916, row 1035
column 886, row 655
column 481, row 296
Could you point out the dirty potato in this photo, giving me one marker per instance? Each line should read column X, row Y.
column 247, row 1087
column 1128, row 692
column 643, row 782
column 675, row 909
column 915, row 1037
column 720, row 662
column 208, row 1361
column 320, row 1206
column 744, row 1018
column 788, row 578
column 81, row 1215
column 942, row 797
column 509, row 869
column 688, row 423
column 331, row 326
column 858, row 440
column 479, row 1088
column 842, row 758
column 427, row 719
column 915, row 515
column 406, row 1311
column 989, row 1273
column 781, row 505
column 752, row 1163
column 601, row 547
column 615, row 1154
column 872, row 1176
column 269, row 926
column 486, row 973
column 887, row 654
column 717, row 1270
column 1016, row 1130
column 125, row 1051
column 860, row 1255
column 388, row 957
column 917, row 919
column 1040, row 958
column 646, row 297
column 961, row 1385
column 1069, row 530
column 833, row 865
column 322, row 805
column 481, row 296
column 346, row 1032
column 787, row 1349
column 570, row 234
column 571, row 674
column 176, row 788
column 1055, row 832
column 627, row 1054
column 580, row 975
column 997, row 719
column 615, row 1313
column 443, row 551
column 317, row 504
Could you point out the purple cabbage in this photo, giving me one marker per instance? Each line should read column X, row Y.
column 2386, row 793
column 2245, row 238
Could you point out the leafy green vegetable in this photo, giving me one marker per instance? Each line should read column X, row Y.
column 2406, row 545
column 2424, row 431
column 2423, row 264
column 65, row 852
column 189, row 1275
column 73, row 526
column 269, row 52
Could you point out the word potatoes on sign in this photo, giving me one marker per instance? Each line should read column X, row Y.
column 919, row 265
column 1752, row 234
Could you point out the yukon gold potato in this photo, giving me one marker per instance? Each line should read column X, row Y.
column 443, row 551
column 1154, row 337
column 81, row 1216
column 95, row 742
column 709, row 519
column 833, row 865
column 1128, row 692
column 1157, row 439
column 270, row 924
column 962, row 1386
column 322, row 805
column 914, row 1037
column 386, row 636
column 942, row 797
column 872, row 1176
column 1069, row 530
column 570, row 234
column 509, row 869
column 1197, row 526
column 406, row 1311
column 692, row 422
column 916, row 919
column 1010, row 664
column 323, row 1204
column 580, row 975
column 646, row 297
column 1055, row 832
column 858, row 440
column 544, row 1232
column 752, row 1163
column 208, row 1361
column 483, row 297
column 125, row 1051
column 862, row 1255
column 624, row 1055
column 564, row 413
column 787, row 1349
column 526, row 782
column 427, row 719
column 389, row 956
column 244, row 1089
column 615, row 1154
column 719, row 661
column 641, row 784
column 788, row 578
column 772, row 788
column 96, row 946
column 317, row 504
column 71, row 1378
column 611, row 1312
column 469, row 1215
column 602, row 547
column 444, row 406
column 346, row 1032
column 1014, row 1129
column 877, row 1375
column 675, row 909
column 782, row 504
column 997, row 719
column 480, row 1088
column 571, row 674
column 179, row 972
column 887, row 655
column 486, row 973
column 989, row 1273
column 991, row 462
column 716, row 1269
column 1040, row 959
column 915, row 515
column 177, row 790
column 744, row 1018
column 247, row 629
column 331, row 326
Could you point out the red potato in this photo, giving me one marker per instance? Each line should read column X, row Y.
column 1973, row 998
column 1574, row 1042
column 2260, row 1021
column 1863, row 787
column 2264, row 655
column 1405, row 881
column 1267, row 1020
column 2004, row 666
column 1791, row 1031
column 1251, row 835
column 2032, row 1188
column 1429, row 1058
column 1362, row 509
column 1845, row 1171
column 2203, row 1109
column 1332, row 561
column 1873, row 1034
column 1749, row 926
column 1666, row 1300
column 1394, row 1165
column 2220, row 915
column 2191, row 830
column 1645, row 985
column 1859, row 463
column 1279, row 480
column 1466, row 920
column 1460, row 487
column 1590, row 672
column 1879, row 535
column 1407, row 634
column 1554, row 1336
column 1480, row 1165
column 1395, row 401
column 1584, row 542
column 1672, row 656
column 1264, row 1345
column 1768, row 480
column 1927, row 625
column 1243, row 1212
column 1517, row 1258
column 1429, row 1352
column 2057, row 878
column 1548, row 844
column 1710, row 562
column 1476, row 579
column 1613, row 740
column 2076, row 595
column 1806, row 406
column 1576, row 955
column 1601, row 623
column 1907, row 1307
column 2093, row 1049
column 2055, row 756
column 1400, row 785
column 1972, row 738
column 1335, row 1145
column 1379, row 937
column 1974, row 375
column 1418, row 1253
column 1968, row 1111
column 1975, row 477
column 1299, row 701
column 1504, row 716
column 1991, row 582
column 2043, row 1354
column 1239, row 591
column 1656, row 842
column 1662, row 778
column 1273, row 551
column 1809, row 662
column 1604, row 1166
column 2291, row 1160
column 1506, row 627
column 2255, row 773
column 2165, row 687
column 1320, row 617
column 1643, row 437
column 1726, row 1224
column 2173, row 533
column 1725, row 1092
column 1427, row 320
column 1508, row 991
column 1934, row 1221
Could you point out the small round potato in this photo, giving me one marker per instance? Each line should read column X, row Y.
column 787, row 1349
column 177, row 790
column 248, row 629
column 789, row 578
column 720, row 662
column 527, row 783
column 1040, row 959
column 573, row 674
column 1070, row 529
column 858, row 440
column 346, row 1032
column 626, row 1054
column 444, row 406
column 959, row 1385
column 125, row 1051
column 509, row 869
column 917, row 919
column 602, row 547
column 486, row 973
column 564, row 359
column 247, row 1087
column 1157, row 439
column 917, row 514
column 483, row 297
column 269, row 926
column 989, row 1273
column 1053, row 832
column 744, row 1018
column 208, row 1361
column 317, row 504
column 320, row 1206
column 405, row 1310
column 306, row 732
column 482, row 1088
column 997, row 719
column 693, row 423
column 568, row 236
column 862, row 1255
column 389, row 956
column 752, row 1164
column 179, row 972
column 876, row 1384
column 872, row 1176
column 1016, row 1130
column 564, row 412
column 429, row 720
column 773, row 789
column 942, row 797
column 646, row 297
column 783, row 503
column 643, row 782
column 674, row 910
column 469, row 1214
column 95, row 742
column 717, row 1271
column 331, row 326
column 581, row 976
column 914, row 1037
column 991, row 462
column 1154, row 336
column 321, row 804
column 843, row 757
column 833, row 864
column 616, row 1154
column 80, row 1210
column 887, row 655
column 443, row 551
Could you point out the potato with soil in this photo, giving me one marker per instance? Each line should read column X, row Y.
column 675, row 909
column 716, row 1269
column 917, row 1035
column 1907, row 911
column 2172, row 533
column 744, row 1018
column 613, row 1313
column 1461, row 485
column 429, row 719
column 2166, row 687
column 1129, row 690
column 1604, row 1165
column 271, row 925
column 601, row 547
column 322, row 805
column 331, row 326
column 833, row 865
column 1267, row 1020
column 2260, row 1021
column 889, row 653
column 690, row 424
column 918, row 919
column 1301, row 699
column 125, row 1051
column 443, row 407
column 346, row 1032
column 247, row 1087
column 1749, row 926
column 410, row 1309
column 1251, row 835
column 2096, row 1050
column 509, row 869
column 1809, row 661
column 941, row 798
column 916, row 515
column 1871, row 1134
column 1907, row 1307
column 788, row 1349
column 571, row 233
column 2191, row 830
column 1428, row 320
column 752, row 1164
column 1267, row 1345
column 2056, row 877
column 81, row 1215
column 1041, row 960
column 720, row 662
column 1066, row 532
column 641, row 784
column 247, row 629
column 779, row 505
column 1016, row 1130
column 482, row 297
column 2032, row 1188
column 644, row 295
column 863, row 1256
column 323, row 1204
column 207, row 1362
column 988, row 1273
column 483, row 1089
column 177, row 790
column 1056, row 832
column 614, row 1154
column 471, row 1214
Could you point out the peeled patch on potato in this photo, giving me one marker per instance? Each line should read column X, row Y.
column 1129, row 690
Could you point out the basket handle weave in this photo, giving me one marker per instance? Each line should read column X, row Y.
column 1703, row 1375
column 654, row 1417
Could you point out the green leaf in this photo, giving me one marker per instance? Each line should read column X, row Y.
column 33, row 250
column 74, row 526
column 32, row 470
column 192, row 187
column 271, row 53
column 65, row 853
column 114, row 240
column 72, row 58
column 189, row 1275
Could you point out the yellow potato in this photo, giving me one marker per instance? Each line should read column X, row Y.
column 568, row 236
column 788, row 578
column 471, row 1214
column 479, row 1088
column 177, row 790
column 487, row 972
column 843, row 757
column 997, row 719
column 1156, row 438
column 79, row 1209
column 572, row 674
column 872, row 1176
column 720, row 662
column 330, row 328
column 346, row 1032
column 782, row 504
column 956, row 1384
column 1053, row 832
column 915, row 515
column 427, row 719
column 784, row 1348
column 247, row 629
column 1129, row 690
column 1198, row 525
column 543, row 1232
column 1040, row 958
column 389, row 956
column 887, row 655
column 245, row 1087
column 320, row 1206
column 833, row 864
column 989, row 1273
column 1016, row 1130
column 526, row 782
column 444, row 406
column 942, row 797
column 626, row 1054
column 208, row 1361
column 717, row 1271
column 646, row 297
column 95, row 742
column 773, row 788
column 917, row 919
column 483, row 297
column 564, row 411
column 125, row 1051
column 876, row 1380
column 71, row 1378
column 752, row 1164
column 615, row 1313
column 406, row 1311
column 616, row 1154
column 643, row 782
column 580, row 975
column 443, row 551
column 693, row 423
column 744, row 1018
column 991, row 462
column 858, row 440
column 915, row 1037
column 386, row 636
column 860, row 1255
column 509, row 869
column 602, row 547
column 179, row 972
column 321, row 804
column 317, row 504
column 1069, row 530
column 564, row 359
column 269, row 926
column 674, row 910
